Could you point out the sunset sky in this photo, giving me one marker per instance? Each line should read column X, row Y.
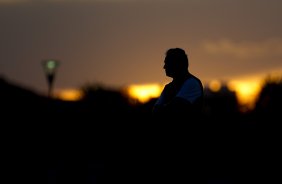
column 123, row 42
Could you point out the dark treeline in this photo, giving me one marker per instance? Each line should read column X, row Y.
column 108, row 137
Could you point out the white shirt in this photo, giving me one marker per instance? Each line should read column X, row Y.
column 190, row 91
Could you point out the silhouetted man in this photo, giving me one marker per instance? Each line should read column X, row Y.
column 178, row 148
column 183, row 97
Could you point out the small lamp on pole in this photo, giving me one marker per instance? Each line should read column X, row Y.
column 50, row 67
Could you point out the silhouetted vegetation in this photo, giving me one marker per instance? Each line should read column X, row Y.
column 269, row 101
column 105, row 138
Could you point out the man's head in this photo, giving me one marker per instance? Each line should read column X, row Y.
column 176, row 62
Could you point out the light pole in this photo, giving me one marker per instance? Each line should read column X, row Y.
column 49, row 67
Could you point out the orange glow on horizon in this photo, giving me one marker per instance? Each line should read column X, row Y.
column 215, row 85
column 246, row 91
column 145, row 92
column 68, row 94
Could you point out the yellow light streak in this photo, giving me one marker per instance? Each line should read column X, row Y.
column 144, row 92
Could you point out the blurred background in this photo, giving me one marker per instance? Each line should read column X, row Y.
column 78, row 81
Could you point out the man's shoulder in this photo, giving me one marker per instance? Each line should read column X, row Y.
column 193, row 81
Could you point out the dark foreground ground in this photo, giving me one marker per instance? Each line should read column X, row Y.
column 98, row 151
column 94, row 142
